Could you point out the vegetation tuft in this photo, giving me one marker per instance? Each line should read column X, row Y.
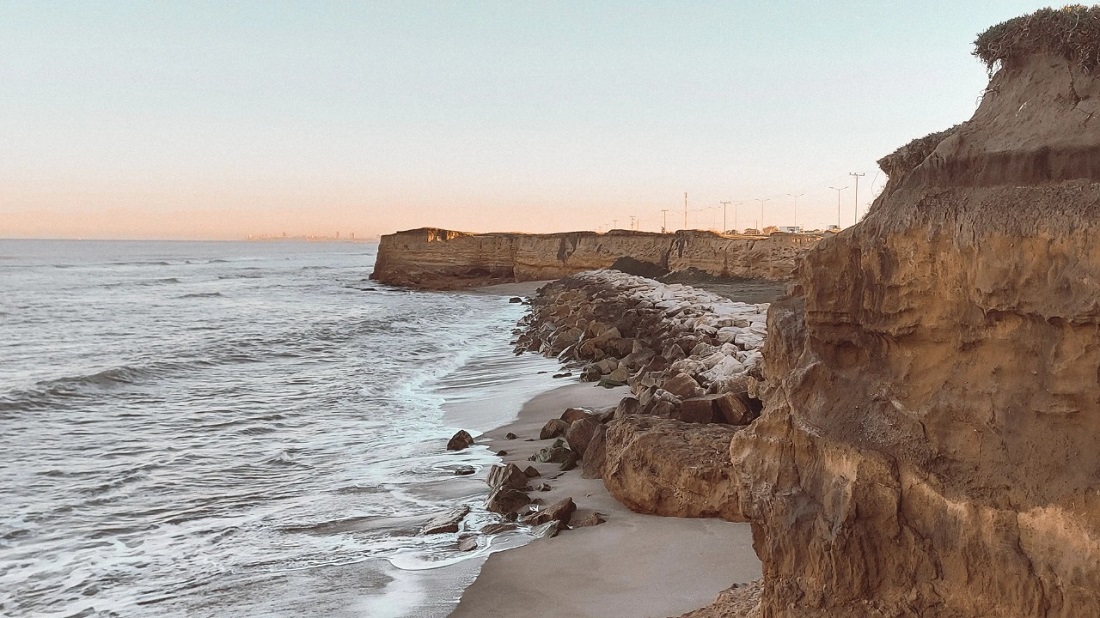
column 1072, row 31
column 905, row 159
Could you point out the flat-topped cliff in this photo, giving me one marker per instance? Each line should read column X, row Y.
column 443, row 259
column 930, row 444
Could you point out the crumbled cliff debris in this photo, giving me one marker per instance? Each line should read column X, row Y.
column 931, row 439
column 689, row 357
column 441, row 259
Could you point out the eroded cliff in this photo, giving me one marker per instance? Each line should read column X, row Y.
column 931, row 438
column 442, row 259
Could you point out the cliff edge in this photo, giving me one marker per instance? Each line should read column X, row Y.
column 443, row 259
column 930, row 443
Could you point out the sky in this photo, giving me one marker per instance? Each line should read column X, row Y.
column 228, row 119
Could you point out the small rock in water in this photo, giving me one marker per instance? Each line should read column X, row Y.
column 446, row 522
column 460, row 440
column 464, row 470
column 467, row 542
column 564, row 374
column 497, row 528
column 510, row 436
column 515, row 299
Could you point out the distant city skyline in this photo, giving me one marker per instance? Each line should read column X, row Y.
column 224, row 120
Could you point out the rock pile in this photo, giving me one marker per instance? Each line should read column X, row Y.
column 690, row 358
column 686, row 354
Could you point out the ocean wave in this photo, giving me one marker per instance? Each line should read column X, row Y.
column 47, row 393
column 201, row 295
column 164, row 281
column 242, row 276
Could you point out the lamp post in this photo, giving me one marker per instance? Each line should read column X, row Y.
column 761, row 230
column 796, row 207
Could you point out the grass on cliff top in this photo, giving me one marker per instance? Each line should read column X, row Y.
column 1072, row 31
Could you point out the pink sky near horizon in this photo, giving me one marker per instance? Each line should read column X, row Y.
column 206, row 120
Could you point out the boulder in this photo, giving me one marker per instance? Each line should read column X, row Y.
column 647, row 467
column 446, row 522
column 733, row 409
column 509, row 477
column 552, row 454
column 683, row 386
column 548, row 530
column 506, row 501
column 561, row 510
column 579, row 434
column 460, row 440
column 595, row 455
column 464, row 470
column 574, row 414
column 531, row 472
column 696, row 410
column 553, row 428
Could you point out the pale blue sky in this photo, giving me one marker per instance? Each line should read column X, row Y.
column 224, row 118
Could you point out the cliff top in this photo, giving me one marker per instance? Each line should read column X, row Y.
column 1072, row 32
column 435, row 233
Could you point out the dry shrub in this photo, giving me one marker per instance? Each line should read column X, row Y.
column 1072, row 32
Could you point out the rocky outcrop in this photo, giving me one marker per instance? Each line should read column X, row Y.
column 931, row 440
column 443, row 259
column 667, row 467
column 688, row 356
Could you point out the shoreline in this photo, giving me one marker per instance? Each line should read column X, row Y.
column 619, row 568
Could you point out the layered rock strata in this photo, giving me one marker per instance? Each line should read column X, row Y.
column 443, row 259
column 689, row 358
column 931, row 441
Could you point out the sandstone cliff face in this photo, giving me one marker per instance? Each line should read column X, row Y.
column 931, row 440
column 442, row 259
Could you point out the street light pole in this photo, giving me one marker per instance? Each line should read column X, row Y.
column 761, row 230
column 796, row 207
column 724, row 205
column 855, row 209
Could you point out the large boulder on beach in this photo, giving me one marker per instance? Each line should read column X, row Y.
column 595, row 454
column 668, row 467
column 580, row 434
column 683, row 386
column 509, row 476
column 462, row 439
column 553, row 428
column 505, row 501
column 573, row 415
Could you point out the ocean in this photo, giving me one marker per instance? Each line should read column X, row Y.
column 239, row 429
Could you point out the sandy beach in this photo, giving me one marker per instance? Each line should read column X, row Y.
column 632, row 565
